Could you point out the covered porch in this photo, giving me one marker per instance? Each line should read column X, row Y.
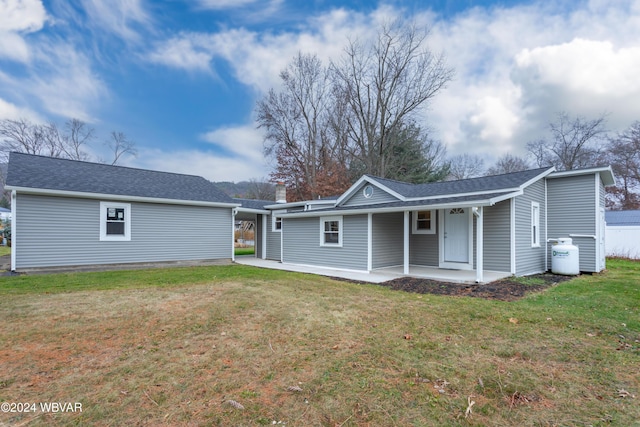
column 377, row 275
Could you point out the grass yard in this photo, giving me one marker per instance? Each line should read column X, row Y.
column 240, row 346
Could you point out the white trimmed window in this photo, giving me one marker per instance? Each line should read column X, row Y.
column 535, row 225
column 331, row 231
column 276, row 222
column 115, row 221
column 424, row 222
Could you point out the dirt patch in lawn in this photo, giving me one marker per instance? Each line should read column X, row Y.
column 508, row 289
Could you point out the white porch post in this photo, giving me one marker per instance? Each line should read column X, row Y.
column 234, row 211
column 264, row 237
column 14, row 202
column 369, row 241
column 406, row 242
column 479, row 244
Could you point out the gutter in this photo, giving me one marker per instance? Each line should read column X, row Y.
column 123, row 197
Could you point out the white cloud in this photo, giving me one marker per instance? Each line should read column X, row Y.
column 22, row 15
column 225, row 4
column 244, row 142
column 66, row 85
column 9, row 111
column 517, row 67
column 584, row 66
column 209, row 165
column 186, row 51
column 18, row 17
column 119, row 17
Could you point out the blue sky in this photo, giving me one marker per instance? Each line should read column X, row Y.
column 181, row 78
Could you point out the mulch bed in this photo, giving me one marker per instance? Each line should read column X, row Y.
column 506, row 289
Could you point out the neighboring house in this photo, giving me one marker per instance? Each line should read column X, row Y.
column 498, row 223
column 67, row 213
column 623, row 233
column 5, row 214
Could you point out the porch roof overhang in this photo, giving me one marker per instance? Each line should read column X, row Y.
column 413, row 205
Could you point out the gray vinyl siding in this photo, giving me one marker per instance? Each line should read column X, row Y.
column 572, row 210
column 302, row 243
column 273, row 241
column 529, row 260
column 57, row 231
column 424, row 248
column 388, row 239
column 379, row 196
column 497, row 236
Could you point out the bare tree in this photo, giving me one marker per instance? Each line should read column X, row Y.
column 78, row 135
column 624, row 155
column 260, row 190
column 574, row 143
column 465, row 166
column 384, row 84
column 120, row 145
column 507, row 164
column 301, row 134
column 25, row 137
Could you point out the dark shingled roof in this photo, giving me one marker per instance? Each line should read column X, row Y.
column 463, row 186
column 620, row 218
column 48, row 173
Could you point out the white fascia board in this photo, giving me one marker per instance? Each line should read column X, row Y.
column 549, row 171
column 285, row 205
column 488, row 202
column 364, row 178
column 254, row 211
column 498, row 199
column 103, row 196
column 606, row 173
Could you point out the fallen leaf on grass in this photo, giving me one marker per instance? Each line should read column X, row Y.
column 513, row 320
column 234, row 404
column 294, row 388
column 624, row 393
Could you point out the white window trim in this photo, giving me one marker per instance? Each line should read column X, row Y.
column 274, row 218
column 322, row 232
column 103, row 222
column 414, row 222
column 535, row 224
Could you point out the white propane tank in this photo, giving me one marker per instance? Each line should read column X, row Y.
column 565, row 257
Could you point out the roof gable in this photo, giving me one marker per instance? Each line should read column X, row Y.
column 28, row 171
column 398, row 191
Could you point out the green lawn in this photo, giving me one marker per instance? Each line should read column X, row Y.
column 241, row 346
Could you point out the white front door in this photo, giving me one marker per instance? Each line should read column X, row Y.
column 455, row 238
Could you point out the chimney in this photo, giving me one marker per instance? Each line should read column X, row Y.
column 281, row 192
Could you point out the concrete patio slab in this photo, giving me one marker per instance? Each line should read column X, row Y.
column 378, row 275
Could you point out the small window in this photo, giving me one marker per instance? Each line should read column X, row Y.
column 535, row 225
column 424, row 222
column 276, row 223
column 331, row 231
column 115, row 221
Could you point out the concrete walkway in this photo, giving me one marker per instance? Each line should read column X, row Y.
column 378, row 275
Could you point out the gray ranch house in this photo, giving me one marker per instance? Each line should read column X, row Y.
column 73, row 213
column 499, row 224
column 67, row 213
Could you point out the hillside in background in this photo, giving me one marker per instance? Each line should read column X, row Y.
column 248, row 189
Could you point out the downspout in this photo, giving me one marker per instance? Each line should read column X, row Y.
column 478, row 212
column 14, row 202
